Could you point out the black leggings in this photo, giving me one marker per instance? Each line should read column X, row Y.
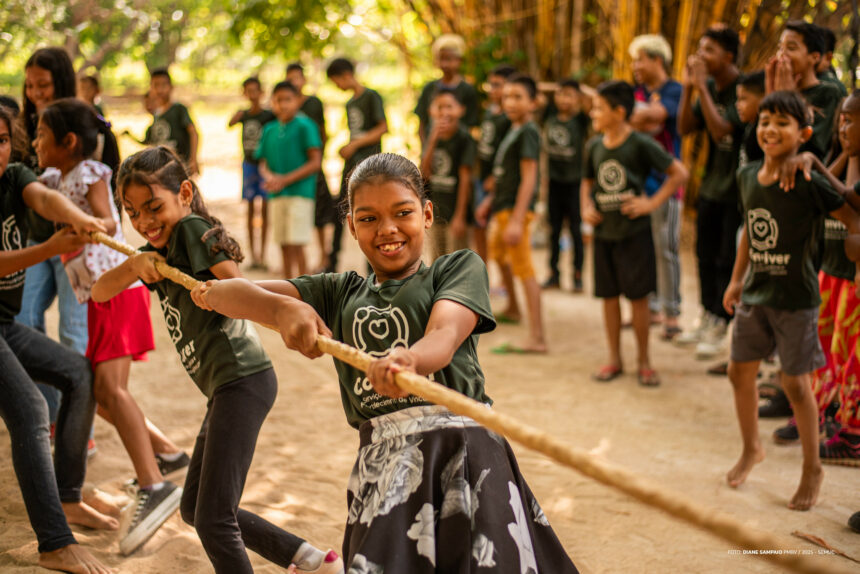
column 716, row 245
column 216, row 478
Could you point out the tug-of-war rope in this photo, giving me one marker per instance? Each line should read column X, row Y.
column 717, row 522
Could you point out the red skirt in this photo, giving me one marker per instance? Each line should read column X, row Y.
column 120, row 327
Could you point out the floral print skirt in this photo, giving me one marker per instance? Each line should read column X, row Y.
column 432, row 491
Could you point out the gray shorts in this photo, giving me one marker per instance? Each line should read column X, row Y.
column 760, row 330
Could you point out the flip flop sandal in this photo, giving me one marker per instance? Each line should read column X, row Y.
column 503, row 319
column 649, row 378
column 511, row 349
column 607, row 373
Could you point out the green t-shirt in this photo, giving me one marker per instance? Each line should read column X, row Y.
column 521, row 142
column 619, row 174
column 13, row 215
column 719, row 183
column 834, row 262
column 830, row 77
column 466, row 93
column 378, row 318
column 565, row 141
column 170, row 128
column 214, row 349
column 252, row 130
column 823, row 98
column 448, row 157
column 494, row 127
column 363, row 114
column 285, row 148
column 784, row 232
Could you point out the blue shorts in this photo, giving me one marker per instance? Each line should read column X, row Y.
column 252, row 182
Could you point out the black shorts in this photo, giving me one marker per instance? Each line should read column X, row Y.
column 324, row 211
column 625, row 267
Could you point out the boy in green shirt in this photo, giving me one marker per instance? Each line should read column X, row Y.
column 367, row 124
column 774, row 293
column 290, row 158
column 172, row 125
column 617, row 165
column 511, row 203
column 824, row 70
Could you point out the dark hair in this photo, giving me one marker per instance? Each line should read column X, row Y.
column 252, row 80
column 16, row 132
column 295, row 67
column 384, row 167
column 788, row 103
column 810, row 33
column 72, row 116
column 10, row 103
column 442, row 91
column 503, row 70
column 526, row 82
column 618, row 93
column 338, row 67
column 569, row 83
column 56, row 61
column 727, row 39
column 753, row 81
column 285, row 85
column 828, row 38
column 161, row 166
column 156, row 72
column 92, row 80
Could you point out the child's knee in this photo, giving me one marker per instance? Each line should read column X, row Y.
column 741, row 375
column 796, row 387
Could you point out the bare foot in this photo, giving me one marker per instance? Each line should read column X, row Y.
column 85, row 515
column 738, row 474
column 73, row 558
column 807, row 491
column 102, row 502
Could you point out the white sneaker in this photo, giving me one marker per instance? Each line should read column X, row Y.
column 696, row 334
column 714, row 340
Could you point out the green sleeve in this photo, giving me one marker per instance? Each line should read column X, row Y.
column 199, row 253
column 21, row 177
column 423, row 105
column 824, row 197
column 323, row 292
column 468, row 151
column 377, row 109
column 184, row 116
column 588, row 170
column 655, row 155
column 462, row 277
column 530, row 143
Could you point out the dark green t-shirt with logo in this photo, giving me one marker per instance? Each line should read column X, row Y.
column 252, row 129
column 834, row 262
column 378, row 318
column 170, row 128
column 494, row 127
column 363, row 113
column 521, row 142
column 830, row 77
column 448, row 157
column 466, row 94
column 214, row 349
column 823, row 99
column 719, row 183
column 14, row 220
column 565, row 141
column 619, row 174
column 313, row 108
column 784, row 232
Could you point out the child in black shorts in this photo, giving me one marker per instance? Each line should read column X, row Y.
column 617, row 164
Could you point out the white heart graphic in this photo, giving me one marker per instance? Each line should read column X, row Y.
column 379, row 328
column 760, row 227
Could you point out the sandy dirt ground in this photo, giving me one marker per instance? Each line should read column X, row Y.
column 682, row 435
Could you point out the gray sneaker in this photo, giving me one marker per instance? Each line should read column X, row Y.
column 713, row 341
column 151, row 509
column 170, row 466
column 697, row 333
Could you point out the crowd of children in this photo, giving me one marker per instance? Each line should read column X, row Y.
column 777, row 246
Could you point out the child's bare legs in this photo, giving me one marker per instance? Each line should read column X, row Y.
column 799, row 392
column 252, row 239
column 641, row 328
column 513, row 309
column 287, row 257
column 111, row 392
column 324, row 258
column 83, row 514
column 264, row 230
column 298, row 257
column 743, row 376
column 159, row 441
column 536, row 341
column 72, row 558
column 480, row 237
column 612, row 325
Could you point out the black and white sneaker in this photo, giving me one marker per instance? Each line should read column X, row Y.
column 151, row 509
column 170, row 466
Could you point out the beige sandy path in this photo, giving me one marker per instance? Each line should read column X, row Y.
column 682, row 435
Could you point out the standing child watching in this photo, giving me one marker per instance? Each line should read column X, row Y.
column 750, row 91
column 223, row 357
column 617, row 164
column 448, row 51
column 119, row 330
column 89, row 91
column 511, row 203
column 449, row 153
column 824, row 70
column 365, row 115
column 290, row 158
column 430, row 491
column 253, row 120
column 566, row 131
column 325, row 212
column 171, row 123
column 774, row 289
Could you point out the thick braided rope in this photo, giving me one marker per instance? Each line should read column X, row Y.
column 646, row 491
